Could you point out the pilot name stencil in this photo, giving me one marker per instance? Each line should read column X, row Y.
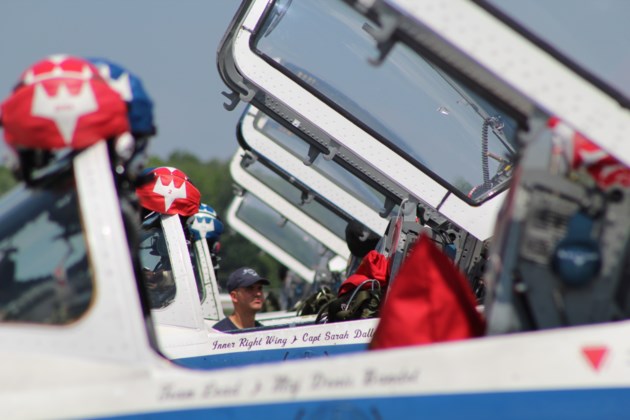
column 228, row 342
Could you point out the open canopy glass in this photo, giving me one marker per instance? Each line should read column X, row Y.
column 280, row 155
column 407, row 103
column 289, row 201
column 412, row 128
column 287, row 242
column 280, row 185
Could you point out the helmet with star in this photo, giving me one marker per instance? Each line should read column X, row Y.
column 131, row 155
column 62, row 102
column 60, row 106
column 131, row 89
column 168, row 190
column 205, row 224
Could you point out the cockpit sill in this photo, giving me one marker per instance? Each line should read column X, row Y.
column 284, row 336
column 176, row 311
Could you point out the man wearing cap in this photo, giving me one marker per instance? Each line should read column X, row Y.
column 245, row 287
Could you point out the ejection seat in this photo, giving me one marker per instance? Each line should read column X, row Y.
column 560, row 256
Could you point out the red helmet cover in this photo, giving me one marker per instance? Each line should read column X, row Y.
column 62, row 102
column 170, row 192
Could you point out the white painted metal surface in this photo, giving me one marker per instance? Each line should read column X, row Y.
column 107, row 334
column 185, row 310
column 211, row 306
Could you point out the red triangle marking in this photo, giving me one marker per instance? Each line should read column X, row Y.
column 595, row 355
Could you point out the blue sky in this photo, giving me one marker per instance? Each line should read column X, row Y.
column 170, row 44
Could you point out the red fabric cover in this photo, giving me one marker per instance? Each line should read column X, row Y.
column 429, row 301
column 602, row 166
column 59, row 65
column 373, row 266
column 62, row 102
column 582, row 153
column 171, row 192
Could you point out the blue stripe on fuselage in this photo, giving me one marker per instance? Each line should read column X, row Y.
column 526, row 405
column 242, row 358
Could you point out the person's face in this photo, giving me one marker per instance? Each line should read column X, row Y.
column 152, row 278
column 249, row 298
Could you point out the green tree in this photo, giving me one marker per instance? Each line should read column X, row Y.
column 7, row 181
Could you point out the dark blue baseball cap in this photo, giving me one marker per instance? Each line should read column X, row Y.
column 244, row 277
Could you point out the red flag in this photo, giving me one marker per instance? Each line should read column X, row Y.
column 430, row 301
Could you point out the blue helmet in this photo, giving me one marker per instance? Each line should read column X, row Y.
column 130, row 88
column 205, row 224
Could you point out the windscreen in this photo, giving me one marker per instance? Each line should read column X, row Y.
column 194, row 257
column 44, row 271
column 286, row 235
column 156, row 266
column 407, row 103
